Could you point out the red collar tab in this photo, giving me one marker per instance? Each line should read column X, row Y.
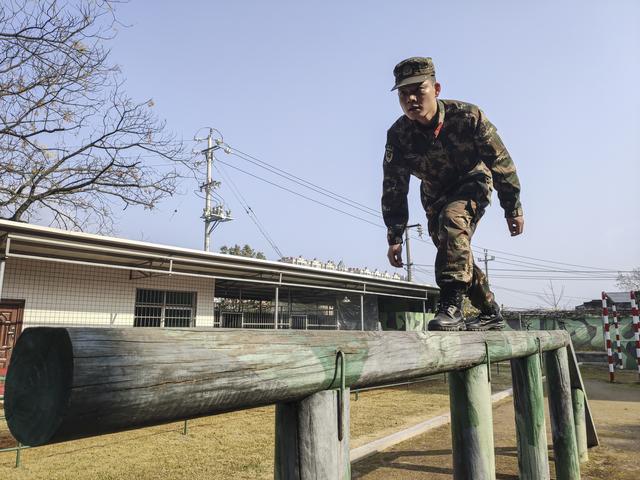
column 436, row 132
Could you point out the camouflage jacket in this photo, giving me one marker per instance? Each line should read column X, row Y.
column 460, row 157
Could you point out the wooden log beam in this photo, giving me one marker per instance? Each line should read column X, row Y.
column 579, row 420
column 308, row 446
column 528, row 402
column 66, row 383
column 563, row 429
column 472, row 424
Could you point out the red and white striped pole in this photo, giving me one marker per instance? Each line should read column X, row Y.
column 616, row 322
column 607, row 336
column 636, row 327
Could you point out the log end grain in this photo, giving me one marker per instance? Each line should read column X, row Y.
column 38, row 384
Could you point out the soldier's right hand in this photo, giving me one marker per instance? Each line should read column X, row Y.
column 394, row 254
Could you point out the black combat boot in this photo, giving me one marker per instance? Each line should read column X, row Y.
column 488, row 320
column 449, row 316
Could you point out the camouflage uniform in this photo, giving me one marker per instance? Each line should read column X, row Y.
column 459, row 160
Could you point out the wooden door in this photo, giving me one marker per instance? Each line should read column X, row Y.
column 10, row 328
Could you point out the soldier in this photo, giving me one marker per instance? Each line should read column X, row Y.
column 457, row 154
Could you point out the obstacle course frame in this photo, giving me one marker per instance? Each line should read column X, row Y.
column 68, row 383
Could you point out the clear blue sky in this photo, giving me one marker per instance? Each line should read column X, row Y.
column 305, row 87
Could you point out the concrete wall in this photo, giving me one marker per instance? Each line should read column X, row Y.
column 65, row 294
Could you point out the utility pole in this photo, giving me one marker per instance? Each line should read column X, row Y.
column 215, row 215
column 486, row 261
column 207, row 194
column 406, row 241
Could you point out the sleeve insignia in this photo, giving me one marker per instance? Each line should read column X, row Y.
column 388, row 153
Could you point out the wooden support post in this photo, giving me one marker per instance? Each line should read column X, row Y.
column 561, row 413
column 528, row 402
column 577, row 383
column 471, row 424
column 579, row 420
column 307, row 438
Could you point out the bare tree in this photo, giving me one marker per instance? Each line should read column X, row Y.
column 629, row 281
column 72, row 144
column 552, row 298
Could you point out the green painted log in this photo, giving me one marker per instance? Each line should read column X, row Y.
column 528, row 402
column 563, row 428
column 67, row 383
column 577, row 383
column 307, row 441
column 578, row 398
column 472, row 424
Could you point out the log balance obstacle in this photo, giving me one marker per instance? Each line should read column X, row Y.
column 70, row 383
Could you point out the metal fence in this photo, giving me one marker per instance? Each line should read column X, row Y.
column 266, row 320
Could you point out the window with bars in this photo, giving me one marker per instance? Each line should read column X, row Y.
column 158, row 308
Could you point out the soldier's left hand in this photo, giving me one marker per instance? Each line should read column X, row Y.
column 516, row 225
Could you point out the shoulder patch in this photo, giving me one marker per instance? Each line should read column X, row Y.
column 388, row 153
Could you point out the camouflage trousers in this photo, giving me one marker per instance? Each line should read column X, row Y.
column 451, row 230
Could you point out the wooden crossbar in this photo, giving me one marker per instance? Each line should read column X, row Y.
column 68, row 383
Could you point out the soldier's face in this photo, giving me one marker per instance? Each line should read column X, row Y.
column 418, row 101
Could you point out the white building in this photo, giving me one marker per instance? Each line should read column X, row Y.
column 56, row 277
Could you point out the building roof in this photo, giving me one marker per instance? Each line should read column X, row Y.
column 23, row 240
column 619, row 297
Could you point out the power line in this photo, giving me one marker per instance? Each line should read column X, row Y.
column 542, row 268
column 547, row 278
column 535, row 294
column 305, row 183
column 421, row 270
column 365, row 209
column 520, row 296
column 516, row 263
column 541, row 260
column 424, row 266
column 588, row 274
column 559, row 271
column 250, row 212
column 534, row 267
column 427, row 276
column 299, row 194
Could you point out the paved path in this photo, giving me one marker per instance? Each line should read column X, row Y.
column 616, row 410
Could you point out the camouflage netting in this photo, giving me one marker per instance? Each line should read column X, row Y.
column 586, row 329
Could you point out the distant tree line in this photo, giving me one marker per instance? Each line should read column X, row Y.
column 245, row 251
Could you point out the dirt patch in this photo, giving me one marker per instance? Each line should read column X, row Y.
column 616, row 409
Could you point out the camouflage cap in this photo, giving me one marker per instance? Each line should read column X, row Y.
column 413, row 70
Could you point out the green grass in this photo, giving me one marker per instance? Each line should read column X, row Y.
column 236, row 445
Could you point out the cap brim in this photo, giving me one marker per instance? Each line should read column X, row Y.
column 411, row 81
